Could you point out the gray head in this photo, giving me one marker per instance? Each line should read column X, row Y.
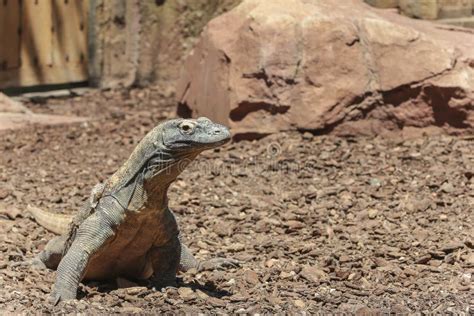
column 193, row 135
column 164, row 153
column 176, row 143
column 172, row 142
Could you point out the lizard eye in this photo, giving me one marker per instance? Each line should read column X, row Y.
column 187, row 128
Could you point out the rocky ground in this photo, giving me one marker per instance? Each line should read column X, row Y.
column 321, row 224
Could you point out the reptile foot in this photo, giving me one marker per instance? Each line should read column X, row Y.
column 55, row 298
column 219, row 264
column 36, row 263
column 160, row 282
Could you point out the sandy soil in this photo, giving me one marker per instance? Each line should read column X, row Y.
column 321, row 224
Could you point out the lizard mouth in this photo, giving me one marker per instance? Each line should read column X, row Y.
column 200, row 143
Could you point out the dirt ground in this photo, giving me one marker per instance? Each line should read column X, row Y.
column 320, row 224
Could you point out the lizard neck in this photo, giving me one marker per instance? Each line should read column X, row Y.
column 157, row 186
column 157, row 196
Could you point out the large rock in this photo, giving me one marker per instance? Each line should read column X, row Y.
column 9, row 121
column 9, row 105
column 422, row 9
column 454, row 8
column 14, row 115
column 383, row 4
column 328, row 66
column 436, row 9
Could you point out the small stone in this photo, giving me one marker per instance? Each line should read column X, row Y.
column 443, row 217
column 295, row 224
column 447, row 187
column 135, row 290
column 466, row 278
column 131, row 310
column 201, row 294
column 4, row 193
column 452, row 246
column 10, row 212
column 375, row 182
column 373, row 213
column 18, row 195
column 214, row 301
column 424, row 259
column 351, row 276
column 236, row 247
column 287, row 275
column 270, row 263
column 313, row 274
column 274, row 300
column 399, row 309
column 307, row 136
column 251, row 277
column 380, row 262
column 299, row 304
column 222, row 229
column 230, row 282
column 409, row 271
column 186, row 293
column 366, row 311
column 469, row 258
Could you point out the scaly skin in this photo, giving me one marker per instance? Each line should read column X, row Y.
column 126, row 228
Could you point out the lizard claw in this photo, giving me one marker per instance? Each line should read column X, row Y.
column 160, row 284
column 55, row 298
column 219, row 264
column 36, row 263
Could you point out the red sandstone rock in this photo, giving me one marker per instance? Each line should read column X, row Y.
column 14, row 115
column 328, row 66
column 19, row 120
column 9, row 105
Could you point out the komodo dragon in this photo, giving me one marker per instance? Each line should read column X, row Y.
column 126, row 228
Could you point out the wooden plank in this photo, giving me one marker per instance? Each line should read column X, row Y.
column 70, row 37
column 53, row 44
column 9, row 34
column 36, row 39
column 36, row 35
column 50, row 75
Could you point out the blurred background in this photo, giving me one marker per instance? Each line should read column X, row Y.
column 104, row 43
column 261, row 68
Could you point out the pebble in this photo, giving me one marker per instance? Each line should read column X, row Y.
column 307, row 136
column 372, row 213
column 186, row 293
column 299, row 223
column 299, row 304
column 251, row 277
column 313, row 274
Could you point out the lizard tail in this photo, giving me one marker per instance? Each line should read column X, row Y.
column 56, row 223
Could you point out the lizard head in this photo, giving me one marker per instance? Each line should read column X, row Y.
column 163, row 154
column 177, row 142
column 193, row 135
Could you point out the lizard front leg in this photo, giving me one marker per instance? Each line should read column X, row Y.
column 165, row 261
column 90, row 236
column 188, row 261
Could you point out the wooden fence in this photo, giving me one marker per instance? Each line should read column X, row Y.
column 43, row 42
